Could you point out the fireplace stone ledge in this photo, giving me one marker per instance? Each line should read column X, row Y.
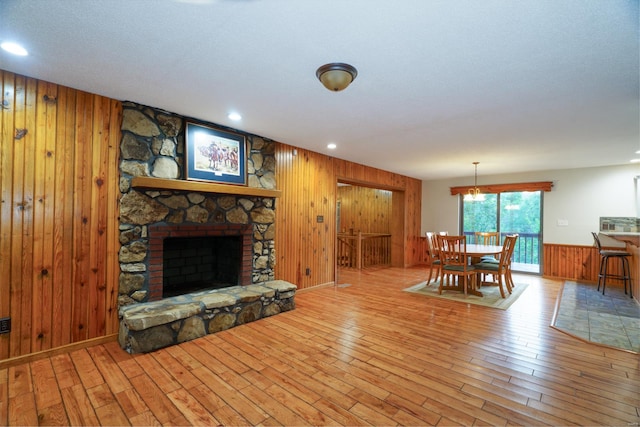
column 149, row 326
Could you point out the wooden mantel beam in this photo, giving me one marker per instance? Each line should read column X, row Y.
column 149, row 182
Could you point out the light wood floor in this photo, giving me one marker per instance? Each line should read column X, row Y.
column 362, row 354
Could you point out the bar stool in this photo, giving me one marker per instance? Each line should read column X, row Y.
column 623, row 256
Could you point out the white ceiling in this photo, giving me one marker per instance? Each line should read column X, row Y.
column 516, row 85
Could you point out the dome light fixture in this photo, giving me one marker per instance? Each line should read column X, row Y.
column 336, row 76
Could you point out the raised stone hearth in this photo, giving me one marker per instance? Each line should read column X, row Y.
column 150, row 326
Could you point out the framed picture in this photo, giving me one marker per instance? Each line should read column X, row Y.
column 215, row 155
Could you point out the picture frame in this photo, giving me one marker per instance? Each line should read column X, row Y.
column 215, row 155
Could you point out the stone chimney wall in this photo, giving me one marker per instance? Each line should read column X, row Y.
column 153, row 145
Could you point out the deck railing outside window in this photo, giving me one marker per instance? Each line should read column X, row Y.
column 527, row 250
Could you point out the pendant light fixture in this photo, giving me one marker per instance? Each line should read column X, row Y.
column 474, row 194
column 336, row 76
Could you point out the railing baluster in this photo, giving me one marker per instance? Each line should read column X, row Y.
column 363, row 250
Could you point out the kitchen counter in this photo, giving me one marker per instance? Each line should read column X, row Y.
column 628, row 237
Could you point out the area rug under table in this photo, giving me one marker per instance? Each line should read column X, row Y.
column 490, row 295
column 612, row 320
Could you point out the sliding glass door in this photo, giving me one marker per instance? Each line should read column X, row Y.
column 508, row 213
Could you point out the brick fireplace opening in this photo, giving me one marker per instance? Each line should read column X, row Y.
column 191, row 258
column 192, row 264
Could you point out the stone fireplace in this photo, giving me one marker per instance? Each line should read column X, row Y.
column 152, row 148
column 161, row 305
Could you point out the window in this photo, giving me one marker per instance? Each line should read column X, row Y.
column 517, row 212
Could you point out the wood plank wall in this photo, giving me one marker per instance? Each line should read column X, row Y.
column 364, row 209
column 308, row 182
column 58, row 218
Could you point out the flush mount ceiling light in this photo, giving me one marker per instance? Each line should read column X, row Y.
column 336, row 76
column 474, row 194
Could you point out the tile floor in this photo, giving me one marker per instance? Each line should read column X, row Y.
column 612, row 319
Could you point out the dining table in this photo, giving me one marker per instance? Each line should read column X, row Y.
column 477, row 251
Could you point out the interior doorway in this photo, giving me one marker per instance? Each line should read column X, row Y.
column 369, row 226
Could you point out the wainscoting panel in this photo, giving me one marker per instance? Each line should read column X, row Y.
column 575, row 263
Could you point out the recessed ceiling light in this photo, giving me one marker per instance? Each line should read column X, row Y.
column 234, row 116
column 331, row 146
column 14, row 48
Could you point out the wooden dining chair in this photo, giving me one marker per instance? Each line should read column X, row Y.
column 434, row 257
column 454, row 263
column 501, row 272
column 487, row 237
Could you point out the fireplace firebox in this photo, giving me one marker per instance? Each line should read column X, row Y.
column 192, row 264
column 189, row 258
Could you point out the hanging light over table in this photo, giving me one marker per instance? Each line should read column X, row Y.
column 474, row 194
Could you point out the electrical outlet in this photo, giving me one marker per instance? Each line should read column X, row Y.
column 308, row 272
column 5, row 325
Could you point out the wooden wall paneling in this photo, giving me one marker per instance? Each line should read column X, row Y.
column 42, row 157
column 35, row 158
column 284, row 218
column 304, row 231
column 28, row 169
column 82, row 209
column 414, row 251
column 38, row 136
column 326, row 230
column 302, row 200
column 112, row 188
column 15, row 226
column 63, row 223
column 58, row 218
column 49, row 202
column 365, row 209
column 320, row 187
column 7, row 98
column 303, row 193
column 98, row 258
column 309, row 188
column 575, row 262
column 398, row 229
column 312, row 184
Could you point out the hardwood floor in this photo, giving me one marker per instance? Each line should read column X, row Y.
column 360, row 353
